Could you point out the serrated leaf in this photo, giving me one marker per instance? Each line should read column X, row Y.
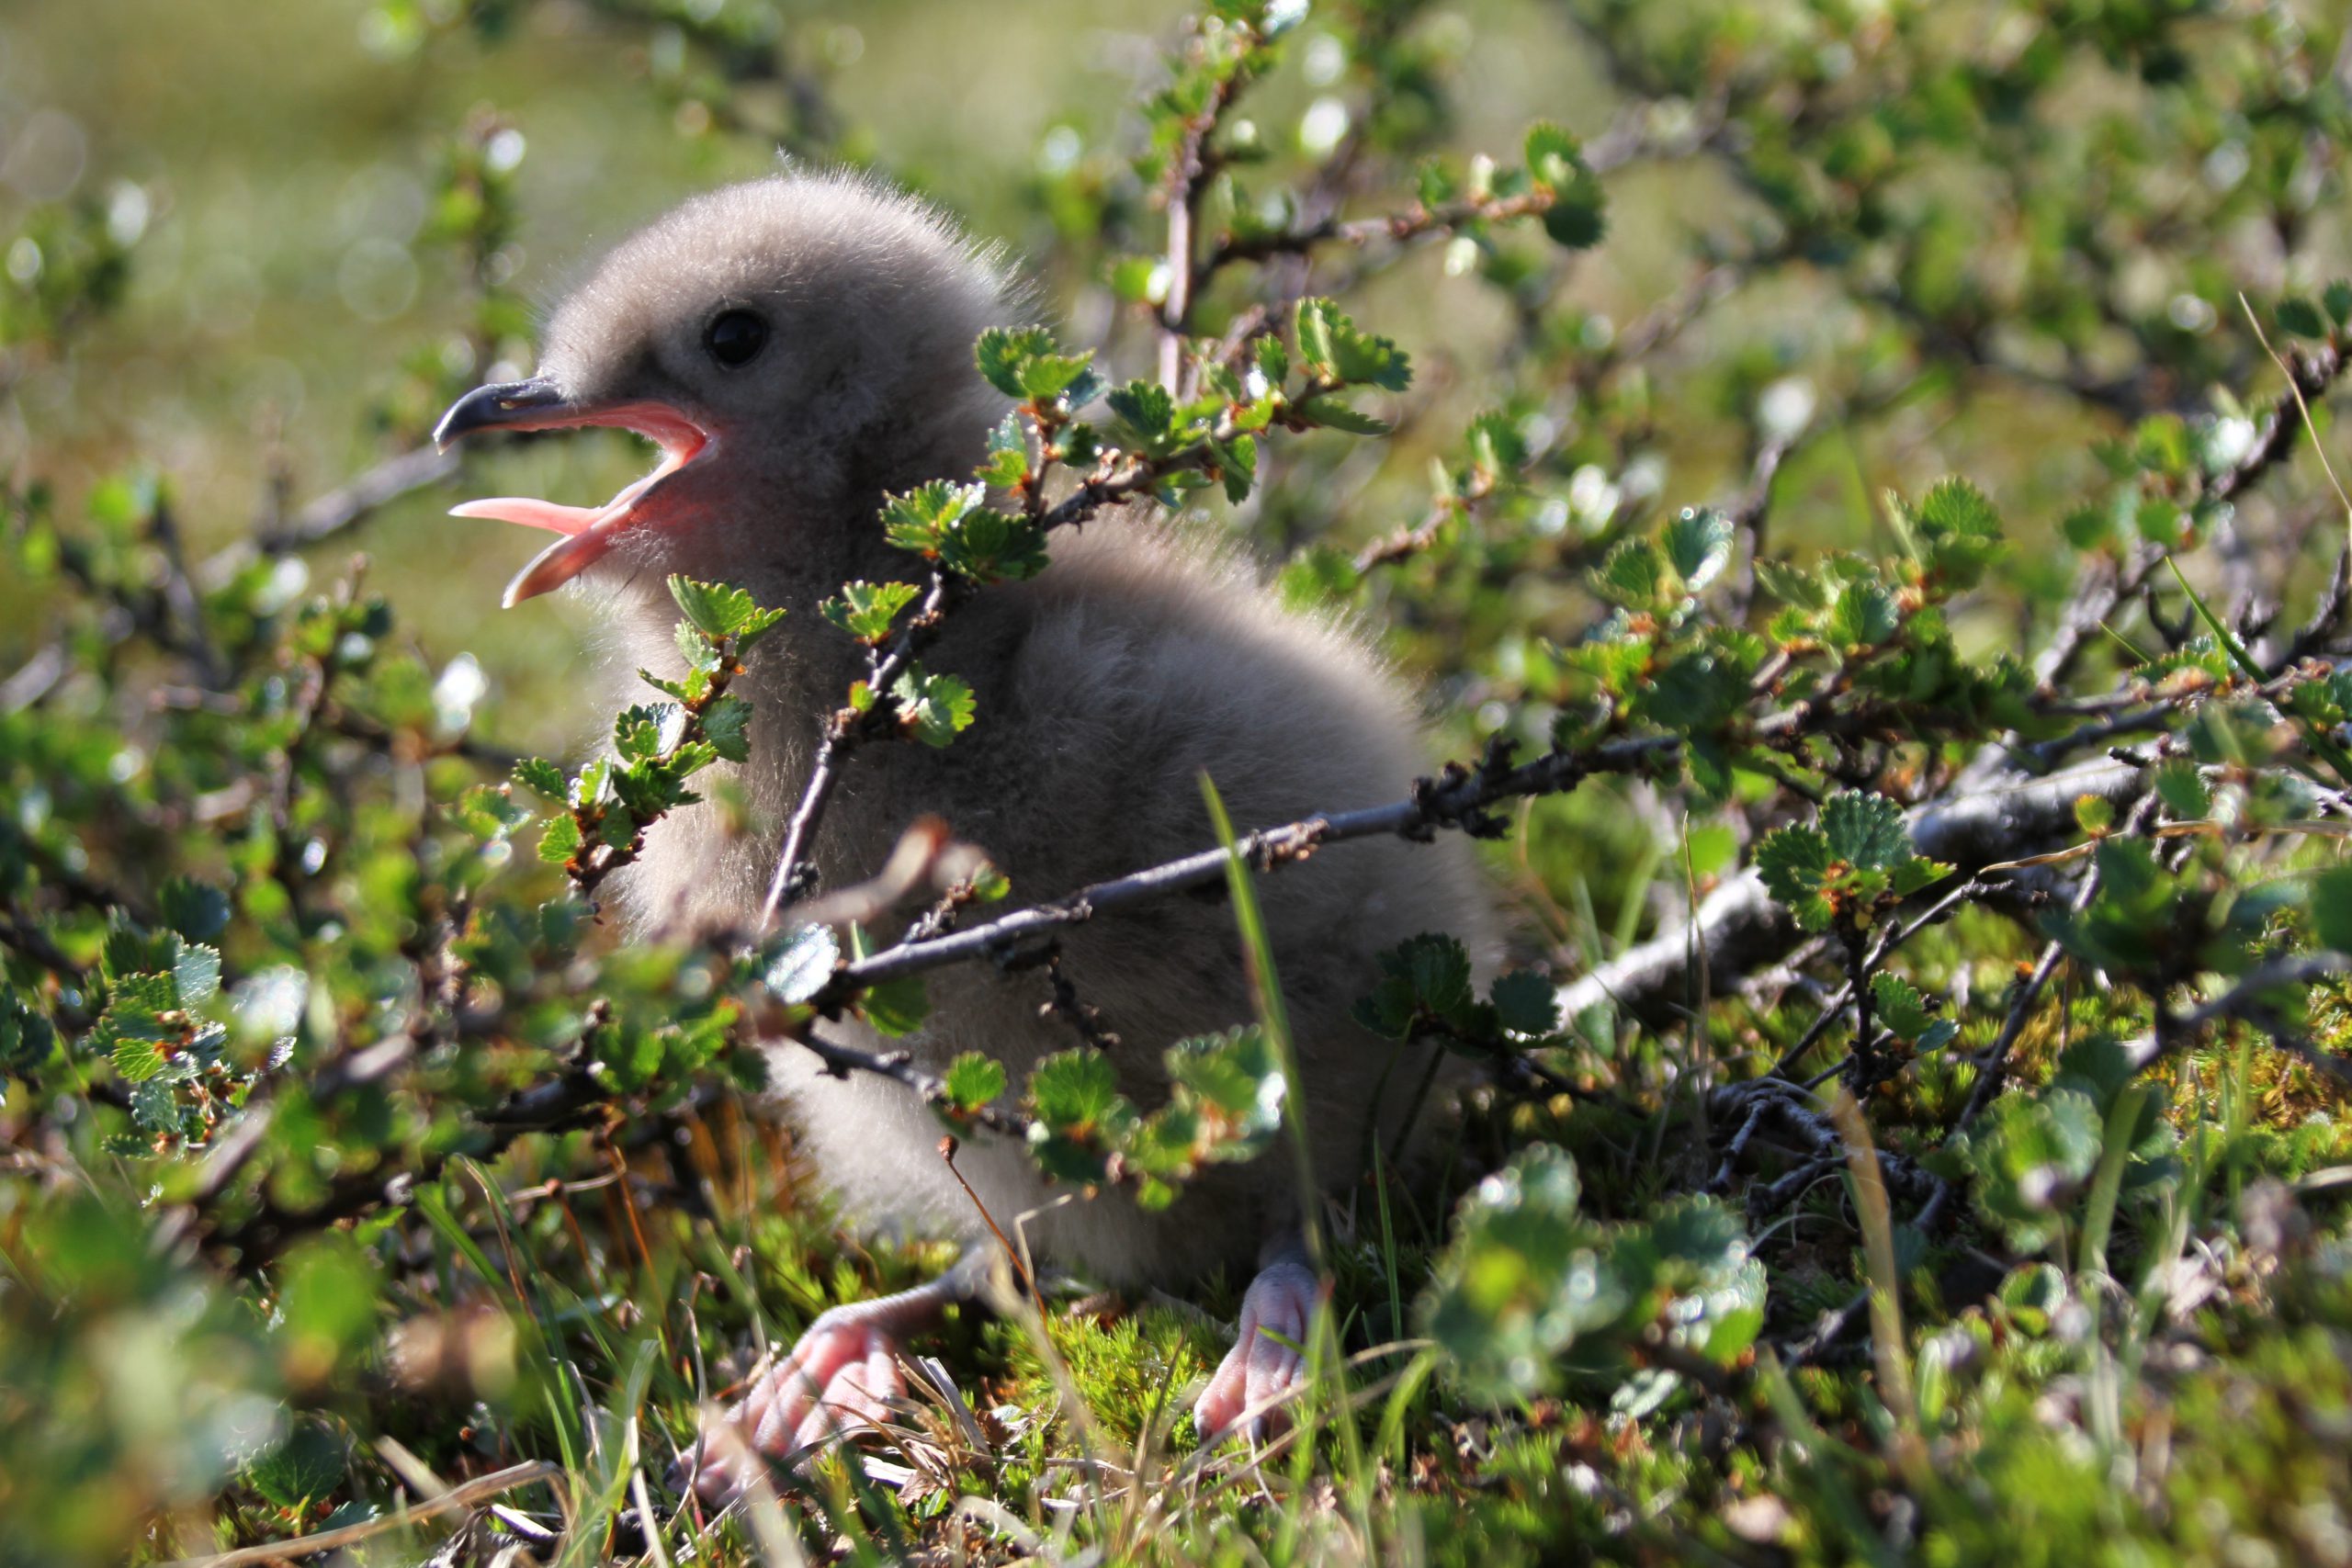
column 918, row 519
column 1044, row 377
column 974, row 1080
column 307, row 1467
column 2337, row 297
column 1864, row 615
column 713, row 609
column 1526, row 1002
column 1332, row 412
column 2300, row 318
column 799, row 968
column 1901, row 1008
column 1424, row 977
column 934, row 708
column 700, row 654
column 1332, row 344
column 197, row 911
column 992, row 546
column 2331, row 907
column 1145, row 410
column 1865, row 828
column 1273, row 359
column 2180, row 784
column 1917, row 873
column 1792, row 585
column 1697, row 545
column 866, row 610
column 1073, row 1091
column 561, row 839
column 1002, row 353
column 196, row 975
column 726, row 728
column 155, row 1108
column 541, row 777
column 896, row 1007
column 136, row 1061
column 1576, row 217
column 1630, row 575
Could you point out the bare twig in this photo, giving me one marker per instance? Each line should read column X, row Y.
column 463, row 1495
column 345, row 507
column 1738, row 927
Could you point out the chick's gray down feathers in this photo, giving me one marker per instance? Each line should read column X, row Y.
column 1138, row 661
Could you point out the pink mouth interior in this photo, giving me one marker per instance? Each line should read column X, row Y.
column 589, row 532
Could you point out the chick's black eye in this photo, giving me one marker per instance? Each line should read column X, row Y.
column 735, row 338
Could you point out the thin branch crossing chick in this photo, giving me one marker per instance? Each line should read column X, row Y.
column 797, row 347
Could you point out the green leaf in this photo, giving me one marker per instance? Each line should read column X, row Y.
column 330, row 1304
column 1007, row 460
column 1576, row 216
column 1427, row 977
column 866, row 610
column 197, row 911
column 1631, row 575
column 992, row 546
column 1331, row 343
column 1329, row 410
column 1900, row 1005
column 1073, row 1091
column 1792, row 585
column 136, row 1061
column 1526, row 1002
column 1238, row 465
column 2332, row 907
column 561, row 839
column 2300, row 318
column 1697, row 545
column 1004, row 354
column 1146, row 412
column 973, row 1080
column 196, row 975
column 1957, row 531
column 896, row 1007
column 2030, row 1157
column 2180, row 784
column 919, row 519
column 1866, row 829
column 799, row 969
column 26, row 1037
column 1044, row 377
column 1915, row 873
column 934, row 707
column 1794, row 865
column 1864, row 616
column 1273, row 359
column 713, row 609
column 306, row 1468
column 726, row 728
column 1530, row 1286
column 541, row 777
column 2337, row 297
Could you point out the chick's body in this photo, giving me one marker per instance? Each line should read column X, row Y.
column 1106, row 689
column 801, row 347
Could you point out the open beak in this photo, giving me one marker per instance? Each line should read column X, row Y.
column 588, row 532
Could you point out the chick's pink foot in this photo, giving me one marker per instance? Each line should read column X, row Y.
column 1264, row 1365
column 843, row 1375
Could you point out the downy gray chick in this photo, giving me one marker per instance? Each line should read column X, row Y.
column 797, row 347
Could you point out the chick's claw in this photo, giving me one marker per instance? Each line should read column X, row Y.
column 1265, row 1368
column 841, row 1376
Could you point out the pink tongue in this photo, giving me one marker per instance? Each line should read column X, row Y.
column 531, row 512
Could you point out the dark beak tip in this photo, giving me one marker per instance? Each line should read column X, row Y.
column 514, row 404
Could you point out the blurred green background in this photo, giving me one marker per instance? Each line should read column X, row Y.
column 274, row 167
